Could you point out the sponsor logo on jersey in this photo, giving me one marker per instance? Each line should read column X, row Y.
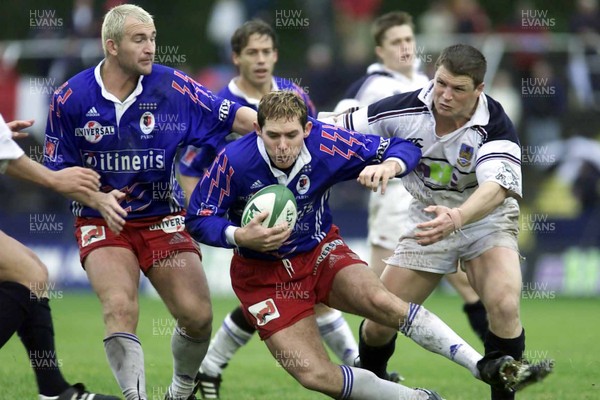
column 93, row 131
column 264, row 311
column 465, row 155
column 147, row 122
column 303, row 184
column 170, row 224
column 257, row 184
column 124, row 161
column 92, row 112
column 224, row 110
column 91, row 234
column 51, row 148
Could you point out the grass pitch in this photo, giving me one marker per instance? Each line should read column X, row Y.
column 561, row 328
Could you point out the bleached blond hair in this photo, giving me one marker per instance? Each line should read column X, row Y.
column 114, row 22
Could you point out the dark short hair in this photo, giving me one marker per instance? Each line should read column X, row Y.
column 387, row 21
column 241, row 36
column 282, row 104
column 462, row 59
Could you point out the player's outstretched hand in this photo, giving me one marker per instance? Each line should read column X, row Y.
column 438, row 228
column 374, row 175
column 259, row 238
column 17, row 125
column 108, row 205
column 74, row 180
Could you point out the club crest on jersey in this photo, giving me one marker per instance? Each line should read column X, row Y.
column 93, row 131
column 147, row 122
column 303, row 184
column 91, row 234
column 264, row 311
column 51, row 148
column 465, row 155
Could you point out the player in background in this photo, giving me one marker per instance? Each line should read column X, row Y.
column 279, row 273
column 464, row 207
column 398, row 72
column 111, row 118
column 24, row 303
column 254, row 52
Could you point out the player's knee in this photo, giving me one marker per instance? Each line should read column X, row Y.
column 120, row 309
column 309, row 376
column 197, row 324
column 32, row 273
column 503, row 308
column 375, row 334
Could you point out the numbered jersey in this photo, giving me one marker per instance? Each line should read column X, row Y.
column 486, row 148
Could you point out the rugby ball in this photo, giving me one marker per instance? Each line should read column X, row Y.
column 278, row 200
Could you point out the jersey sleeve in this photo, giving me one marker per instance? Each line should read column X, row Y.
column 210, row 117
column 350, row 152
column 380, row 118
column 59, row 151
column 499, row 158
column 9, row 149
column 206, row 219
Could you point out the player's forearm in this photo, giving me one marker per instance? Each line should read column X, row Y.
column 484, row 200
column 244, row 120
column 26, row 169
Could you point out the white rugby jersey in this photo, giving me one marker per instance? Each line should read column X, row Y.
column 381, row 82
column 486, row 148
column 9, row 149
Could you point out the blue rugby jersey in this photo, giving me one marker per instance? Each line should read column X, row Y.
column 195, row 160
column 132, row 144
column 330, row 155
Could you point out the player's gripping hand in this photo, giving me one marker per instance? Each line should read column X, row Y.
column 259, row 238
column 75, row 180
column 446, row 221
column 374, row 175
column 17, row 125
column 108, row 206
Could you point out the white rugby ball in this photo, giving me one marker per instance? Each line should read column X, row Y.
column 278, row 200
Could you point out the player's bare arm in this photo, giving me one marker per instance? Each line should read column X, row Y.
column 244, row 120
column 484, row 200
column 67, row 181
column 374, row 175
column 108, row 206
column 259, row 238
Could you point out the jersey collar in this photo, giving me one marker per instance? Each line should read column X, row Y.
column 236, row 91
column 108, row 96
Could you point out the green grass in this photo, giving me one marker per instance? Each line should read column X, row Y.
column 561, row 328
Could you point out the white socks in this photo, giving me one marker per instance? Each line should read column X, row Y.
column 431, row 333
column 126, row 359
column 228, row 339
column 187, row 356
column 361, row 384
column 337, row 334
